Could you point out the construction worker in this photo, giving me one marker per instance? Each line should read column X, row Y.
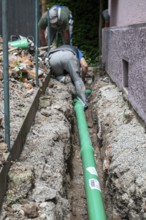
column 68, row 59
column 106, row 17
column 61, row 20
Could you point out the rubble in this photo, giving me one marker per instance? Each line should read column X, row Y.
column 37, row 182
column 22, row 86
column 123, row 151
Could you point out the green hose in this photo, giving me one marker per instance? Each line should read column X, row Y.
column 95, row 205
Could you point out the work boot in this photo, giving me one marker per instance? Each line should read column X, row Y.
column 85, row 105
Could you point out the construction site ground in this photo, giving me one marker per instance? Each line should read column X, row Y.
column 46, row 181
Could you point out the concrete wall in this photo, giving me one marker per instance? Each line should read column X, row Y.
column 127, row 12
column 124, row 55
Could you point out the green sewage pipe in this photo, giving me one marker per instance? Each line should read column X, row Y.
column 95, row 205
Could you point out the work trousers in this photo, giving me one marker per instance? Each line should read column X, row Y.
column 66, row 61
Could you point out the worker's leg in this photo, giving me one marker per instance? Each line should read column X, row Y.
column 55, row 60
column 52, row 35
column 80, row 90
column 71, row 28
column 72, row 66
column 63, row 38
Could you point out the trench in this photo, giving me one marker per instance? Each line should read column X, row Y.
column 77, row 190
column 47, row 188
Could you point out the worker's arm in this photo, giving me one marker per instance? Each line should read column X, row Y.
column 84, row 67
column 66, row 36
column 43, row 23
column 42, row 37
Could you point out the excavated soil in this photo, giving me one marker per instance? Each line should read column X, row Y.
column 47, row 181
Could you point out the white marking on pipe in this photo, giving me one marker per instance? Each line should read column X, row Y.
column 94, row 184
column 92, row 170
